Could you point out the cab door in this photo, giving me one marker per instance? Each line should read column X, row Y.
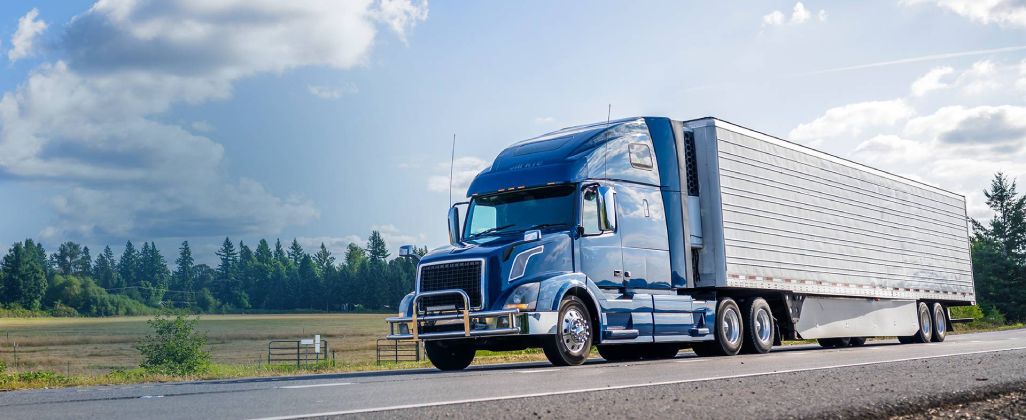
column 627, row 316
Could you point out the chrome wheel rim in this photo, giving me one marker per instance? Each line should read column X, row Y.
column 731, row 326
column 924, row 322
column 575, row 331
column 938, row 314
column 763, row 326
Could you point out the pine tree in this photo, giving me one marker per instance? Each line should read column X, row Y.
column 376, row 248
column 325, row 261
column 227, row 271
column 355, row 257
column 23, row 275
column 106, row 270
column 66, row 257
column 84, row 264
column 296, row 253
column 184, row 275
column 263, row 252
column 279, row 253
column 999, row 250
column 128, row 266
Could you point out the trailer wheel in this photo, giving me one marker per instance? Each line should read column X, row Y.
column 450, row 354
column 857, row 341
column 925, row 333
column 728, row 332
column 619, row 353
column 759, row 327
column 572, row 342
column 940, row 323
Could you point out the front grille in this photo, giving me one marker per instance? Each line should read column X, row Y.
column 465, row 275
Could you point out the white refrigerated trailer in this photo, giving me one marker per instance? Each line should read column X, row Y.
column 857, row 246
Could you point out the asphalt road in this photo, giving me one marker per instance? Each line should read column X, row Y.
column 882, row 378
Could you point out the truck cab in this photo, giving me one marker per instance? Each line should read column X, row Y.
column 567, row 242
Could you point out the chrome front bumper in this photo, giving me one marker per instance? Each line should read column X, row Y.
column 471, row 324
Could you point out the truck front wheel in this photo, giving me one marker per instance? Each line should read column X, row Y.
column 449, row 354
column 572, row 342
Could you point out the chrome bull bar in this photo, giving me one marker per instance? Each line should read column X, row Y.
column 415, row 321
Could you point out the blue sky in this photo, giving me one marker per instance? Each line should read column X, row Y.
column 320, row 120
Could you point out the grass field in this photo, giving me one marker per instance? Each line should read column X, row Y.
column 100, row 345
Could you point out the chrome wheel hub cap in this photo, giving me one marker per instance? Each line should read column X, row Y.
column 924, row 321
column 731, row 327
column 575, row 330
column 763, row 326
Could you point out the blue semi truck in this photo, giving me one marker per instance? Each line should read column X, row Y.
column 643, row 236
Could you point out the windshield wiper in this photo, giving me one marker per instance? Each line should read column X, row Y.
column 490, row 230
column 545, row 225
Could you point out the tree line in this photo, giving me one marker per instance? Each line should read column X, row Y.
column 70, row 282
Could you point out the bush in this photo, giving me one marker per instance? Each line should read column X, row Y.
column 3, row 366
column 994, row 316
column 973, row 312
column 61, row 310
column 174, row 348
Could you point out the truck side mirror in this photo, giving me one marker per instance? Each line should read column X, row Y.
column 608, row 195
column 408, row 251
column 454, row 226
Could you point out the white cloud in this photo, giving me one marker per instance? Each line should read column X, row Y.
column 940, row 140
column 773, row 18
column 465, row 168
column 89, row 122
column 401, row 15
column 395, row 238
column 799, row 15
column 850, row 120
column 24, row 38
column 336, row 244
column 202, row 126
column 931, row 81
column 332, row 92
column 544, row 120
column 1001, row 12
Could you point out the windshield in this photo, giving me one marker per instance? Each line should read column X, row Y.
column 520, row 210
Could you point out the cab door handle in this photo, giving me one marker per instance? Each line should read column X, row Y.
column 616, row 273
column 626, row 274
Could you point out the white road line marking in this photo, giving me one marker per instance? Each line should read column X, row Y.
column 608, row 388
column 151, row 396
column 537, row 370
column 314, row 385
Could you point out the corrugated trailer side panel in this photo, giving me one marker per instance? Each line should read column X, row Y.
column 789, row 217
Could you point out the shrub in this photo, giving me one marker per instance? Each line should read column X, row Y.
column 174, row 348
column 3, row 366
column 994, row 316
column 61, row 310
column 973, row 312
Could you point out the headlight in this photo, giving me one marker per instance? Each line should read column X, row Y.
column 524, row 298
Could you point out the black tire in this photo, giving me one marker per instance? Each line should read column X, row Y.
column 834, row 342
column 940, row 323
column 906, row 340
column 728, row 331
column 571, row 343
column 857, row 341
column 619, row 353
column 450, row 354
column 760, row 329
column 925, row 333
column 660, row 351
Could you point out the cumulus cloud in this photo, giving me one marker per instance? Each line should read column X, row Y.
column 332, row 92
column 931, row 81
column 851, row 120
column 336, row 244
column 799, row 15
column 465, row 168
column 941, row 140
column 1001, row 12
column 90, row 121
column 24, row 38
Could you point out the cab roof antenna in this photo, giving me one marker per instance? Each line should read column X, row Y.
column 452, row 164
